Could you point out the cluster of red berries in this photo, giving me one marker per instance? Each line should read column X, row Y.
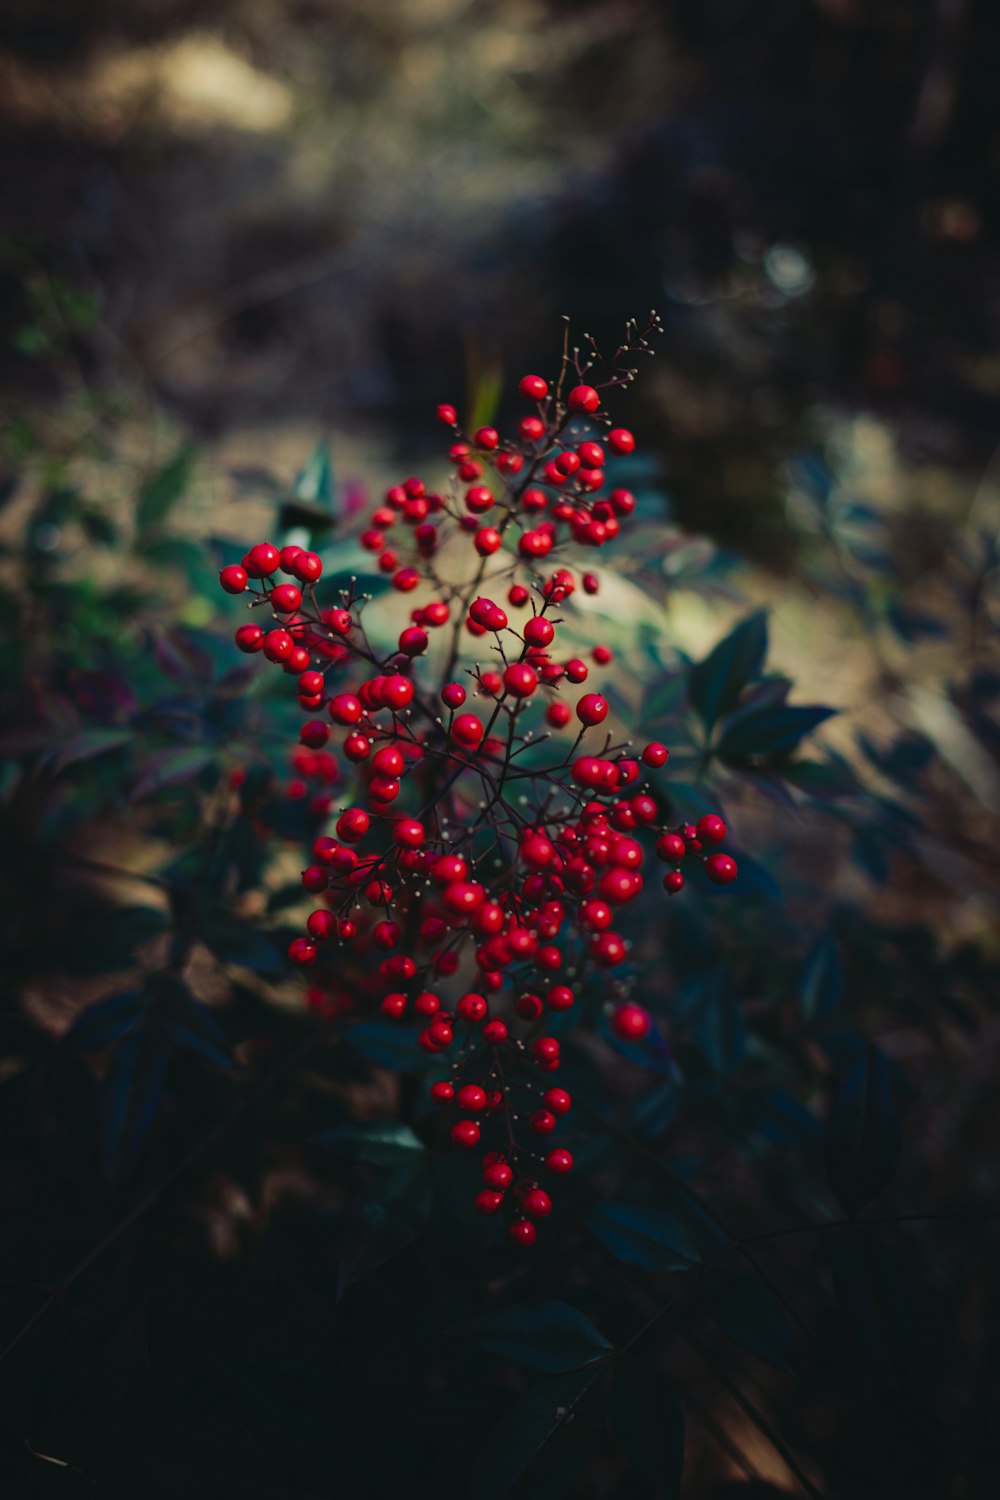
column 504, row 877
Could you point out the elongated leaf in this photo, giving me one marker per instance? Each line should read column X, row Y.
column 719, row 1029
column 539, row 1449
column 647, row 1423
column 105, row 1022
column 161, row 493
column 641, row 1236
column 863, row 1140
column 821, row 981
column 715, row 684
column 748, row 1312
column 385, row 1222
column 134, row 1089
column 379, row 1143
column 548, row 1336
column 171, row 767
column 87, row 745
column 392, row 1047
column 770, row 731
column 314, row 481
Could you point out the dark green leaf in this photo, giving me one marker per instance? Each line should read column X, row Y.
column 641, row 1236
column 548, row 1336
column 647, row 1423
column 102, row 1024
column 821, row 981
column 161, row 493
column 378, row 1143
column 236, row 942
column 749, row 1313
column 715, row 684
column 384, row 1223
column 720, row 1031
column 539, row 1449
column 314, row 482
column 863, row 1142
column 134, row 1089
column 392, row 1047
column 769, row 731
column 87, row 745
column 171, row 767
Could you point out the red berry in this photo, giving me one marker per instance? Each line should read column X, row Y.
column 249, row 638
column 278, row 645
column 487, row 614
column 537, row 1204
column 522, row 1232
column 720, row 869
column 539, row 631
column 591, row 709
column 488, row 1201
column 442, row 1092
column 467, row 730
column 233, row 579
column 520, row 680
column 472, row 1098
column 413, row 641
column 472, row 1007
column 394, row 1006
column 673, row 882
column 711, row 829
column 542, row 1121
column 263, row 560
column 487, row 540
column 447, row 415
column 314, row 733
column 353, row 824
column 302, row 952
column 529, row 1007
column 630, row 1022
column 583, row 398
column 558, row 1101
column 533, row 387
column 285, row 598
column 495, row 1032
column 620, row 440
column 465, row 1133
column 559, row 1160
column 487, row 438
column 307, row 567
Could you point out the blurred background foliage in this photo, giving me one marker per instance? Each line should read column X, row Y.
column 244, row 250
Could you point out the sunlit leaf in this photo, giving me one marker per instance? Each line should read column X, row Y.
column 161, row 493
column 715, row 684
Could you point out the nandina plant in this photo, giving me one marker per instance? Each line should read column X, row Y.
column 497, row 822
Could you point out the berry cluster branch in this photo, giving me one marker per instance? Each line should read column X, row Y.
column 491, row 902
